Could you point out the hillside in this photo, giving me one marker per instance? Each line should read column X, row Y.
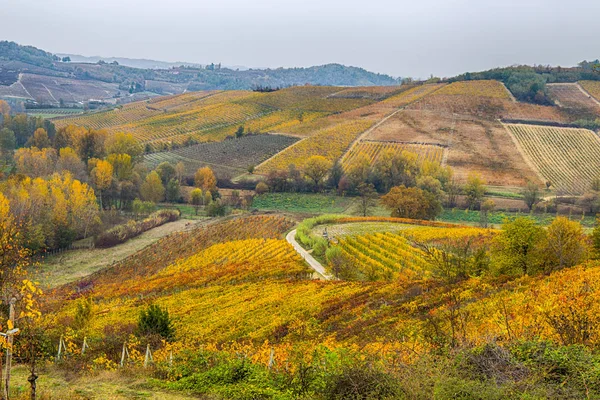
column 456, row 124
column 236, row 289
column 31, row 74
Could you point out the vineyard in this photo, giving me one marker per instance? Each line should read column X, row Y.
column 565, row 157
column 228, row 288
column 492, row 89
column 570, row 95
column 412, row 95
column 384, row 256
column 330, row 143
column 592, row 87
column 373, row 149
column 227, row 158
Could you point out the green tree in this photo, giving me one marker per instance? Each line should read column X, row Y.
column 335, row 174
column 261, row 188
column 240, row 132
column 173, row 191
column 166, row 171
column 155, row 321
column 8, row 143
column 487, row 207
column 514, row 249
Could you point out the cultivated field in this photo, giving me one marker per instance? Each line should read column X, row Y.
column 570, row 95
column 489, row 88
column 373, row 149
column 227, row 158
column 330, row 143
column 473, row 144
column 592, row 87
column 568, row 158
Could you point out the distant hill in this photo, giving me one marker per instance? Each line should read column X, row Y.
column 141, row 63
column 31, row 74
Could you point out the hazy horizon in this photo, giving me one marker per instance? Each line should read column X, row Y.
column 412, row 39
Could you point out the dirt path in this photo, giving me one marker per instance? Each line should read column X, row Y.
column 76, row 264
column 314, row 264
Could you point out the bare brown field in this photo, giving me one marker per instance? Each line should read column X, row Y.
column 475, row 145
column 570, row 95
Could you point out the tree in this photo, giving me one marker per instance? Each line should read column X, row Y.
column 35, row 162
column 486, row 208
column 335, row 174
column 531, row 195
column 152, row 189
column 564, row 245
column 124, row 143
column 341, row 266
column 358, row 170
column 102, row 177
column 368, row 197
column 155, row 321
column 474, row 190
column 205, row 179
column 196, row 199
column 453, row 189
column 173, row 192
column 261, row 188
column 69, row 161
column 251, row 169
column 596, row 240
column 180, row 171
column 122, row 166
column 8, row 143
column 39, row 139
column 240, row 132
column 514, row 250
column 216, row 208
column 166, row 171
column 315, row 169
column 411, row 203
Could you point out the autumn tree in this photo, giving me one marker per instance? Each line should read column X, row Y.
column 101, row 177
column 124, row 143
column 152, row 189
column 564, row 245
column 122, row 165
column 315, row 169
column 196, row 199
column 335, row 174
column 35, row 162
column 39, row 139
column 411, row 203
column 487, row 206
column 474, row 191
column 515, row 248
column 261, row 188
column 205, row 179
column 358, row 170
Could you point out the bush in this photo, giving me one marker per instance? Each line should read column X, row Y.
column 261, row 188
column 155, row 321
column 122, row 233
column 356, row 381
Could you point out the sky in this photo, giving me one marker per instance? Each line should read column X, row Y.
column 400, row 38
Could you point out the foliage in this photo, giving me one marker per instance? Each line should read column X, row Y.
column 205, row 179
column 474, row 190
column 152, row 189
column 564, row 245
column 515, row 249
column 411, row 203
column 155, row 321
column 596, row 239
column 122, row 233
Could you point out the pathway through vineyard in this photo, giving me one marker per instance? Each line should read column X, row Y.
column 314, row 264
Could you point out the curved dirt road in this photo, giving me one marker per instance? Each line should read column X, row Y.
column 314, row 264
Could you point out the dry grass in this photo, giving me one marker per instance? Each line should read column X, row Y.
column 570, row 95
column 76, row 264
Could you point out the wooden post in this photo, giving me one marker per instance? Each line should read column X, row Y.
column 11, row 317
column 272, row 358
column 148, row 359
column 84, row 346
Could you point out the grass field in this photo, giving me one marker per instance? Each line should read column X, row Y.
column 76, row 264
column 303, row 203
column 566, row 157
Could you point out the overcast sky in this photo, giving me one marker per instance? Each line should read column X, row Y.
column 401, row 38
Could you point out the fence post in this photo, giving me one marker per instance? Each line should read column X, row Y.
column 148, row 359
column 272, row 358
column 84, row 346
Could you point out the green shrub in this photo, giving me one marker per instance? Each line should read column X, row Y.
column 155, row 321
